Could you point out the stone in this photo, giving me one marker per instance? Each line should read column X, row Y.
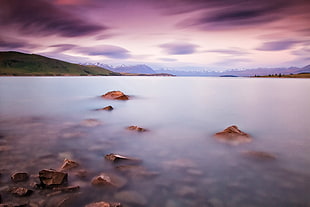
column 67, row 189
column 52, row 178
column 20, row 191
column 233, row 135
column 103, row 204
column 107, row 108
column 259, row 155
column 115, row 95
column 90, row 123
column 137, row 129
column 68, row 164
column 19, row 177
column 131, row 197
column 115, row 158
column 109, row 180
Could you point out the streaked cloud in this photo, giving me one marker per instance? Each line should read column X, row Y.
column 110, row 51
column 179, row 48
column 39, row 17
column 277, row 45
column 228, row 51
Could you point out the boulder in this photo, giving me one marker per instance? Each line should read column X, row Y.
column 20, row 191
column 137, row 129
column 19, row 177
column 109, row 180
column 103, row 204
column 107, row 108
column 52, row 178
column 115, row 95
column 233, row 135
column 116, row 158
column 68, row 164
column 131, row 197
column 259, row 155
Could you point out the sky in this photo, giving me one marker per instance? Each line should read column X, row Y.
column 173, row 34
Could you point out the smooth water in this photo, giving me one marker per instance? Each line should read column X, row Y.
column 40, row 125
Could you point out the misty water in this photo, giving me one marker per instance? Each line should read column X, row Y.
column 41, row 124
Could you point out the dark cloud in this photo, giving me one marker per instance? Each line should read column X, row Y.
column 110, row 51
column 229, row 51
column 10, row 43
column 41, row 17
column 179, row 48
column 227, row 14
column 278, row 45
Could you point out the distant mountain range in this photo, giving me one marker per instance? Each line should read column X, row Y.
column 17, row 63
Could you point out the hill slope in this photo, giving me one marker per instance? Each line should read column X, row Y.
column 16, row 63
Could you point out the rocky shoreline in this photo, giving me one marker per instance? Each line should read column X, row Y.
column 60, row 187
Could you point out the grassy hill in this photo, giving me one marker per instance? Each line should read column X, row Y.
column 21, row 64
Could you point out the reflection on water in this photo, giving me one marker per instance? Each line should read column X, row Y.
column 41, row 124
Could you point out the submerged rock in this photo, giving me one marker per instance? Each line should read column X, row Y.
column 259, row 155
column 131, row 197
column 115, row 158
column 104, row 204
column 19, row 177
column 52, row 178
column 90, row 123
column 68, row 164
column 233, row 135
column 115, row 95
column 107, row 108
column 109, row 180
column 137, row 129
column 20, row 191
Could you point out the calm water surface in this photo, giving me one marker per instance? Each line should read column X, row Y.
column 41, row 124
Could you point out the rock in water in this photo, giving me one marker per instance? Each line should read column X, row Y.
column 115, row 95
column 19, row 191
column 107, row 108
column 109, row 180
column 233, row 135
column 52, row 178
column 259, row 155
column 103, row 204
column 19, row 177
column 69, row 164
column 136, row 128
column 116, row 158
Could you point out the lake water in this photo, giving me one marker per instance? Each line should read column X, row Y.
column 41, row 124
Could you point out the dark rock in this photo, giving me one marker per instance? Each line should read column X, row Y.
column 259, row 155
column 68, row 164
column 67, row 189
column 131, row 197
column 115, row 95
column 104, row 204
column 19, row 191
column 19, row 177
column 233, row 135
column 116, row 158
column 137, row 129
column 52, row 178
column 109, row 180
column 107, row 108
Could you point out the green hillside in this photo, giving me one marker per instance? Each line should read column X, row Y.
column 21, row 64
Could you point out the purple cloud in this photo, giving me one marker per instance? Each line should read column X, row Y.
column 277, row 45
column 38, row 17
column 179, row 48
column 9, row 43
column 110, row 51
column 229, row 51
